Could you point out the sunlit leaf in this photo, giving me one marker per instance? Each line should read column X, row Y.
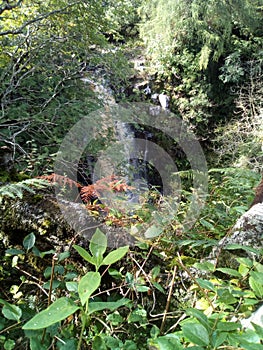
column 229, row 271
column 196, row 333
column 153, row 231
column 256, row 286
column 98, row 243
column 58, row 311
column 115, row 255
column 84, row 254
column 87, row 285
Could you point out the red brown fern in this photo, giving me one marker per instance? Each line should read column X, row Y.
column 91, row 192
column 60, row 179
column 109, row 183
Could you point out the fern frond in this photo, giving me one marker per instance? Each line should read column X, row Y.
column 60, row 179
column 16, row 190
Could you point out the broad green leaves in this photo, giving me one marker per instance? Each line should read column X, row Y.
column 166, row 342
column 58, row 311
column 88, row 284
column 97, row 247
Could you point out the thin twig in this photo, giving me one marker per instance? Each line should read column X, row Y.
column 168, row 300
column 55, row 258
column 195, row 281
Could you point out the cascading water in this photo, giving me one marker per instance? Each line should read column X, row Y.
column 133, row 167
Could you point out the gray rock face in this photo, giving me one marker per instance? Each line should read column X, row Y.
column 256, row 317
column 248, row 231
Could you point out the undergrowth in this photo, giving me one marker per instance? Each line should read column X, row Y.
column 144, row 297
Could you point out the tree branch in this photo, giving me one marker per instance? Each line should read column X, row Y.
column 8, row 7
column 37, row 19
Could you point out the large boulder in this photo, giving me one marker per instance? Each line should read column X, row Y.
column 247, row 233
column 54, row 225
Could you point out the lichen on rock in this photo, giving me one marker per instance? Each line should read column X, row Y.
column 247, row 232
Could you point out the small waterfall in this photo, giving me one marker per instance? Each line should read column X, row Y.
column 134, row 155
column 134, row 167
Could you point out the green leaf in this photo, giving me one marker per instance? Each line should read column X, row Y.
column 206, row 284
column 115, row 255
column 98, row 343
column 245, row 261
column 206, row 266
column 207, row 224
column 228, row 326
column 155, row 331
column 36, row 339
column 68, row 344
column 55, row 284
column 138, row 315
column 87, row 285
column 258, row 329
column 229, row 271
column 113, row 343
column 153, row 231
column 58, row 311
column 196, row 333
column 200, row 316
column 11, row 312
column 258, row 276
column 98, row 244
column 114, row 273
column 218, row 338
column 236, row 246
column 256, row 286
column 129, row 345
column 63, row 256
column 159, row 287
column 9, row 344
column 115, row 318
column 29, row 241
column 14, row 251
column 166, row 342
column 84, row 254
column 142, row 289
column 226, row 297
column 72, row 286
column 107, row 305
